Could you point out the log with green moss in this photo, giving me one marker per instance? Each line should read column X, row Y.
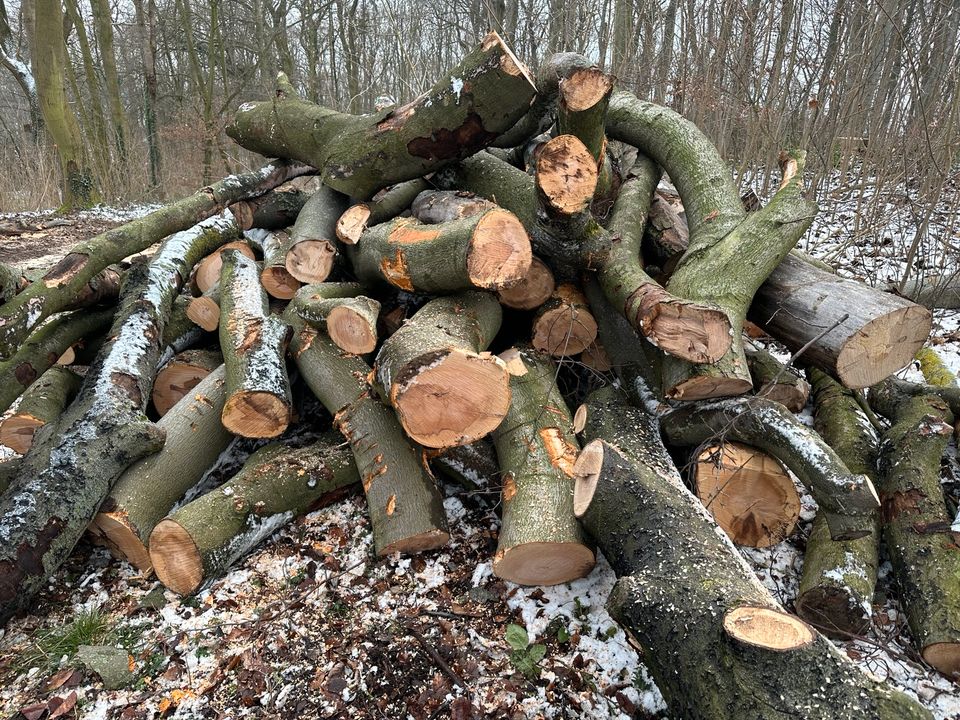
column 715, row 641
column 274, row 276
column 180, row 332
column 916, row 528
column 147, row 490
column 9, row 469
column 775, row 381
column 435, row 372
column 934, row 370
column 311, row 248
column 582, row 109
column 343, row 312
column 404, row 502
column 540, row 541
column 384, row 206
column 359, row 154
column 202, row 539
column 253, row 343
column 61, row 285
column 69, row 471
column 847, row 500
column 180, row 375
column 42, row 403
column 839, row 576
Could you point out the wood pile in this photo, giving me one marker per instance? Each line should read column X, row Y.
column 441, row 284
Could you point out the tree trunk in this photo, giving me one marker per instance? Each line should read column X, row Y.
column 311, row 250
column 348, row 318
column 180, row 375
column 384, row 206
column 104, row 26
column 42, row 403
column 276, row 210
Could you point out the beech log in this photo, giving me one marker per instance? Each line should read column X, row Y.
column 208, row 270
column 384, row 206
column 42, row 403
column 275, row 278
column 180, row 375
column 439, row 206
column 204, row 311
column 339, row 309
column 775, row 381
column 312, row 249
column 564, row 325
column 532, row 291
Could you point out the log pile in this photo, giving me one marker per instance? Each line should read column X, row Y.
column 454, row 271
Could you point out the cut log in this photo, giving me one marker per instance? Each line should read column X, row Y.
column 439, row 206
column 848, row 501
column 69, row 471
column 434, row 371
column 748, row 492
column 180, row 375
column 275, row 278
column 384, row 206
column 472, row 466
column 665, row 236
column 201, row 540
column 839, row 577
column 42, row 403
column 564, row 325
column 349, row 318
column 566, row 176
column 312, row 248
column 103, row 288
column 179, row 332
column 933, row 291
column 532, row 291
column 716, row 643
column 12, row 281
column 775, row 381
column 584, row 97
column 208, row 270
column 147, row 490
column 253, row 343
column 916, row 528
column 595, row 357
column 276, row 210
column 360, row 154
column 490, row 250
column 204, row 311
column 44, row 347
column 540, row 540
column 405, row 504
column 61, row 285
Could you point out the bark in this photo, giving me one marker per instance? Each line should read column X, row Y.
column 564, row 325
column 12, row 281
column 201, row 540
column 180, row 332
column 916, row 528
column 275, row 278
column 473, row 466
column 9, row 469
column 358, row 155
column 67, row 475
column 405, row 504
column 540, row 540
column 208, row 270
column 274, row 211
column 204, row 311
column 935, row 291
column 42, row 403
column 490, row 250
column 384, row 206
column 433, row 207
column 934, row 369
column 847, row 501
column 775, row 381
column 717, row 645
column 532, row 291
column 253, row 343
column 348, row 318
column 180, row 375
column 104, row 28
column 147, row 490
column 584, row 97
column 311, row 250
column 665, row 236
column 435, row 373
column 61, row 285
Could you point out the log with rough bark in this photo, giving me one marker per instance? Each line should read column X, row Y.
column 360, row 154
column 921, row 546
column 253, row 343
column 60, row 286
column 68, row 473
column 202, row 539
column 564, row 325
column 180, row 375
column 489, row 250
column 384, row 206
column 435, row 372
column 933, row 291
column 343, row 312
column 276, row 210
column 839, row 576
column 532, row 291
column 848, row 501
column 405, row 504
column 540, row 540
column 42, row 403
column 311, row 248
column 775, row 381
column 438, row 206
column 147, row 490
column 9, row 470
column 208, row 270
column 747, row 491
column 715, row 641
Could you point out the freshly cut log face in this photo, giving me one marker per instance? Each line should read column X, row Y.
column 764, row 627
column 208, row 270
column 275, row 278
column 532, row 291
column 349, row 318
column 386, row 205
column 564, row 325
column 352, row 223
column 748, row 493
column 205, row 310
column 181, row 375
column 311, row 250
column 566, row 175
column 41, row 404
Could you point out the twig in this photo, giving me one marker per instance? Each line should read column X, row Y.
column 435, row 656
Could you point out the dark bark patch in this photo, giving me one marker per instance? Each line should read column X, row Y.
column 29, row 560
column 25, row 373
column 129, row 386
column 65, row 270
column 898, row 503
column 444, row 144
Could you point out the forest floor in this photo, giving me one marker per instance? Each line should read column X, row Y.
column 313, row 625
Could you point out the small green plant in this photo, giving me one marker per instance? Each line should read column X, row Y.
column 524, row 656
column 89, row 627
column 558, row 627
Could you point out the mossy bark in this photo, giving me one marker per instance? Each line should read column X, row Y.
column 775, row 381
column 42, row 403
column 180, row 332
column 12, row 281
column 405, row 504
column 311, row 248
column 935, row 371
column 9, row 470
column 357, row 155
column 348, row 318
column 439, row 206
column 201, row 540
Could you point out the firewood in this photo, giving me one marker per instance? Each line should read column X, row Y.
column 208, row 270
column 774, row 381
column 358, row 155
column 276, row 210
column 564, row 325
column 473, row 466
column 61, row 284
column 582, row 108
column 434, row 371
column 405, row 504
column 438, row 206
column 180, row 375
column 349, row 318
column 916, row 528
column 202, row 539
column 747, row 491
column 205, row 310
column 384, row 206
column 311, row 248
column 540, row 540
column 275, row 277
column 253, row 343
column 532, row 291
column 707, row 627
column 42, row 403
column 147, row 490
column 180, row 332
column 839, row 576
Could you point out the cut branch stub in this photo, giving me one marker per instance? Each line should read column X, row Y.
column 312, row 249
column 434, row 371
column 566, row 176
column 384, row 206
column 564, row 325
